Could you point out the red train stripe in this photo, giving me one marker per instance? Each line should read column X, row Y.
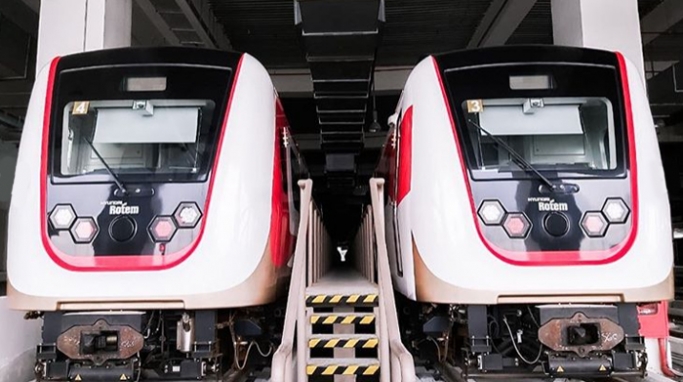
column 405, row 155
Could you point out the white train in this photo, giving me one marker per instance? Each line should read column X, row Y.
column 527, row 206
column 155, row 192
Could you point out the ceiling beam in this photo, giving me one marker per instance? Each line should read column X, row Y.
column 21, row 14
column 297, row 82
column 199, row 16
column 661, row 19
column 499, row 22
column 665, row 99
column 158, row 21
column 205, row 23
column 33, row 4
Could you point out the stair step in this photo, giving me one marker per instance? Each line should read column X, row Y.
column 345, row 341
column 338, row 299
column 345, row 319
column 336, row 366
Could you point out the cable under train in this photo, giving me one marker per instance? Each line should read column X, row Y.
column 153, row 214
column 516, row 184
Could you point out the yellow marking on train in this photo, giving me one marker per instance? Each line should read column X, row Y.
column 369, row 299
column 318, row 299
column 314, row 319
column 372, row 369
column 351, row 343
column 310, row 370
column 560, row 369
column 313, row 343
column 372, row 343
column 602, row 368
column 350, row 370
column 335, row 299
column 123, row 377
column 353, row 298
column 330, row 370
column 78, row 378
column 367, row 320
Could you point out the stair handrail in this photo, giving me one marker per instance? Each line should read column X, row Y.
column 402, row 367
column 281, row 367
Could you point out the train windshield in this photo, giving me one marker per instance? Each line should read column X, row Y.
column 137, row 123
column 150, row 136
column 565, row 120
column 556, row 133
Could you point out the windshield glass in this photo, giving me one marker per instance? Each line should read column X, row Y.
column 551, row 133
column 152, row 136
column 565, row 120
column 137, row 123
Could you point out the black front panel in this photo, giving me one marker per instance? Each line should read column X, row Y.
column 523, row 196
column 562, row 111
column 161, row 168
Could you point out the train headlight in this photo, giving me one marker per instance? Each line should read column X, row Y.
column 491, row 212
column 84, row 230
column 162, row 229
column 187, row 215
column 62, row 216
column 594, row 224
column 615, row 210
column 516, row 225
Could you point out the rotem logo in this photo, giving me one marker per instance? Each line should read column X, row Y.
column 121, row 208
column 547, row 204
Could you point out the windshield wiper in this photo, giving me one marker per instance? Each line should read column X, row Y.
column 519, row 160
column 118, row 182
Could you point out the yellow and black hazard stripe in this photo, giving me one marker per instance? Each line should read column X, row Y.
column 342, row 370
column 345, row 320
column 338, row 299
column 346, row 343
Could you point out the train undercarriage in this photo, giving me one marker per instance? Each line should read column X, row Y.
column 155, row 345
column 507, row 341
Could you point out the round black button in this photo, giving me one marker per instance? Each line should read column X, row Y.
column 122, row 228
column 556, row 224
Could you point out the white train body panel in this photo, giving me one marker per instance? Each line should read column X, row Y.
column 438, row 223
column 232, row 264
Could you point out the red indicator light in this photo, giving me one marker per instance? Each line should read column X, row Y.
column 84, row 230
column 162, row 229
column 594, row 224
column 516, row 225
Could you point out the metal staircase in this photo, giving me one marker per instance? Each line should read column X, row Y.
column 341, row 323
column 338, row 343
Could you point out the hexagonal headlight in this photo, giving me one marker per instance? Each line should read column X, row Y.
column 187, row 215
column 516, row 225
column 84, row 230
column 615, row 210
column 594, row 224
column 162, row 229
column 491, row 212
column 62, row 216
